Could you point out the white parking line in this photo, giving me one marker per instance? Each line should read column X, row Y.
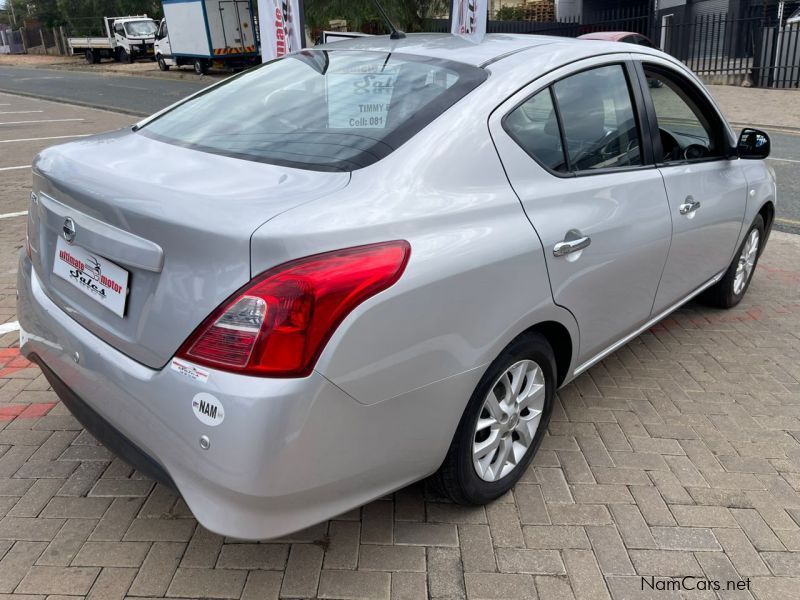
column 9, row 327
column 21, row 213
column 19, row 112
column 790, row 160
column 39, row 121
column 14, row 168
column 54, row 137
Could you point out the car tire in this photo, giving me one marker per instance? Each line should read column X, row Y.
column 526, row 363
column 91, row 57
column 200, row 66
column 124, row 56
column 162, row 64
column 730, row 290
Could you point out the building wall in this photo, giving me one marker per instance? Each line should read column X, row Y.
column 569, row 9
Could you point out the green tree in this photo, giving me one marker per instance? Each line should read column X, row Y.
column 511, row 13
column 408, row 15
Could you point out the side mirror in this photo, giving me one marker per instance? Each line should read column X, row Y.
column 753, row 144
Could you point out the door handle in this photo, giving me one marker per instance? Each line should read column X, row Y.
column 689, row 205
column 571, row 244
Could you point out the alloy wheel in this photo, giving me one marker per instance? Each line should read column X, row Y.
column 508, row 421
column 747, row 260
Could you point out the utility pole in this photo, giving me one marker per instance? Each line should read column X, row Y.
column 13, row 16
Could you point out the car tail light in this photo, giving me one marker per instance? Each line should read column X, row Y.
column 278, row 324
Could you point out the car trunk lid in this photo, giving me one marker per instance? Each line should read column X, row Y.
column 178, row 221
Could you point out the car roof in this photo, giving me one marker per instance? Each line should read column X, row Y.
column 494, row 47
column 613, row 36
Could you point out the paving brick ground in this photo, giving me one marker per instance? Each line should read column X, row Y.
column 677, row 456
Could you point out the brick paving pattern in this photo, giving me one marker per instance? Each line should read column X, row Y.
column 677, row 456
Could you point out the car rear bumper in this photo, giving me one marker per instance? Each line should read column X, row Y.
column 288, row 454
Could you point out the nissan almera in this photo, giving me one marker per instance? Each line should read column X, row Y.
column 368, row 263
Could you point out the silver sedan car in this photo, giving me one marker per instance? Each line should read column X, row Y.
column 376, row 261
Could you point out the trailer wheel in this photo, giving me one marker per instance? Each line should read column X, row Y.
column 162, row 64
column 92, row 57
column 200, row 66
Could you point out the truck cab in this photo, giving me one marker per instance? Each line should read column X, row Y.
column 134, row 37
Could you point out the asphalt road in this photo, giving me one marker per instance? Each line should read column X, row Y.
column 142, row 96
column 139, row 96
column 785, row 159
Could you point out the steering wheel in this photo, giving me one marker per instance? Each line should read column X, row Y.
column 695, row 151
column 669, row 145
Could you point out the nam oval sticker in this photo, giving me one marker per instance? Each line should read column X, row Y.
column 208, row 409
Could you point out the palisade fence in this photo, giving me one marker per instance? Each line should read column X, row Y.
column 718, row 47
column 724, row 49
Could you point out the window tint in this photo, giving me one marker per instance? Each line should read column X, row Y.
column 600, row 129
column 325, row 110
column 534, row 126
column 686, row 132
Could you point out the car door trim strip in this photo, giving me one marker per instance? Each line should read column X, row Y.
column 618, row 344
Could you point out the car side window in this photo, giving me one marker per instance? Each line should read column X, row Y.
column 534, row 126
column 688, row 130
column 598, row 120
column 119, row 29
column 582, row 123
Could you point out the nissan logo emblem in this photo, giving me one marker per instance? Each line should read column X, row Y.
column 69, row 230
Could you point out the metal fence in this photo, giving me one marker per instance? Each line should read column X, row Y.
column 11, row 41
column 757, row 47
column 762, row 50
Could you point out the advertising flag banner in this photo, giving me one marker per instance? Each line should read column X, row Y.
column 282, row 28
column 468, row 19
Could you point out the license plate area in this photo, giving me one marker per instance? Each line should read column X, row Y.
column 100, row 279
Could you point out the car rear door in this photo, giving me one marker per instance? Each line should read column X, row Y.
column 707, row 190
column 576, row 154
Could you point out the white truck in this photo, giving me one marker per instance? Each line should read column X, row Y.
column 126, row 39
column 206, row 33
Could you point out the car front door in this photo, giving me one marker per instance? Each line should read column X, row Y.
column 707, row 190
column 576, row 154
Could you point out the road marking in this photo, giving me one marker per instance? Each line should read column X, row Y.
column 54, row 137
column 14, row 168
column 788, row 221
column 790, row 160
column 8, row 327
column 21, row 213
column 20, row 112
column 39, row 121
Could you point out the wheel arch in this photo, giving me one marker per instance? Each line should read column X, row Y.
column 767, row 212
column 560, row 339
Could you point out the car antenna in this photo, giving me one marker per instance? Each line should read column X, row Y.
column 395, row 34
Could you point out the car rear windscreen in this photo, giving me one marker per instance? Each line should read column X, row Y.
column 324, row 110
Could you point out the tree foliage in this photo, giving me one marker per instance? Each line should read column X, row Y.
column 82, row 17
column 511, row 13
column 408, row 15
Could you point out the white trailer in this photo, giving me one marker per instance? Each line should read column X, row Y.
column 126, row 39
column 206, row 33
